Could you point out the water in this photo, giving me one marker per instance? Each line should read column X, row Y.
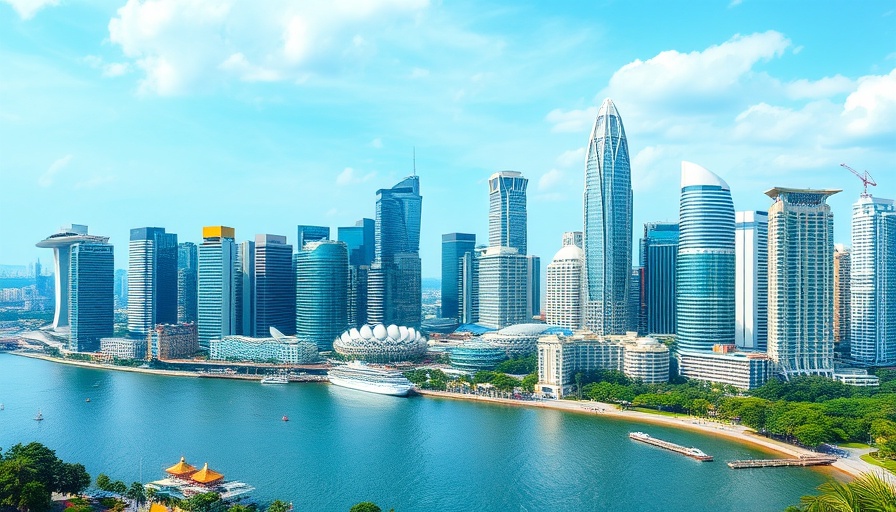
column 342, row 446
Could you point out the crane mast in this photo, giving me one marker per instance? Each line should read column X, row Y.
column 865, row 177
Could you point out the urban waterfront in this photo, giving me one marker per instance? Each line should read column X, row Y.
column 342, row 446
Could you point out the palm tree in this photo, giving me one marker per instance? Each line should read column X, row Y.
column 867, row 493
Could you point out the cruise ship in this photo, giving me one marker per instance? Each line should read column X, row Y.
column 359, row 376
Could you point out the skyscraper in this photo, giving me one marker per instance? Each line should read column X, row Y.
column 751, row 280
column 468, row 287
column 573, row 238
column 842, row 292
column 152, row 280
column 311, row 234
column 90, row 285
column 533, row 286
column 565, row 290
column 873, row 281
column 322, row 292
column 359, row 241
column 634, row 301
column 275, row 286
column 503, row 288
column 801, row 281
column 507, row 222
column 394, row 287
column 659, row 254
column 187, row 282
column 706, row 261
column 217, row 314
column 608, row 223
column 244, row 289
column 454, row 246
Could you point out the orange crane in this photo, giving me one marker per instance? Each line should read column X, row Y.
column 866, row 179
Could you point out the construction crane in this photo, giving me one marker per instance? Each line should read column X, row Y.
column 866, row 179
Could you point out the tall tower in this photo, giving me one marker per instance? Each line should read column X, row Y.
column 187, row 282
column 563, row 304
column 244, row 290
column 394, row 287
column 359, row 241
column 507, row 222
column 217, row 280
column 873, row 281
column 841, row 298
column 454, row 246
column 91, row 295
column 321, row 292
column 801, row 281
column 152, row 280
column 659, row 254
column 608, row 223
column 751, row 281
column 705, row 266
column 275, row 286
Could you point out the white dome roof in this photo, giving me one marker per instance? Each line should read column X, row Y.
column 403, row 333
column 393, row 332
column 379, row 332
column 366, row 332
column 412, row 334
column 355, row 335
column 693, row 174
column 569, row 252
column 346, row 338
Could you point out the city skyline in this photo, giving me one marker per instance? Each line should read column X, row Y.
column 783, row 105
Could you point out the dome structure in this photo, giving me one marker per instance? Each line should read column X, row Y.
column 569, row 252
column 519, row 340
column 381, row 344
column 476, row 356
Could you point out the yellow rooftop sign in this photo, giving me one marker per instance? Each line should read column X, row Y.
column 218, row 232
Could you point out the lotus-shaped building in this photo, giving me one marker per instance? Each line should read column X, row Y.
column 381, row 344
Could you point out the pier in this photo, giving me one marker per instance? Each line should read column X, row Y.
column 809, row 460
column 693, row 453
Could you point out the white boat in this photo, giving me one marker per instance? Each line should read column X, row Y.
column 275, row 379
column 39, row 417
column 356, row 375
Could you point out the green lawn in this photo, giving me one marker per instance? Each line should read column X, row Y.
column 663, row 413
column 888, row 464
column 853, row 445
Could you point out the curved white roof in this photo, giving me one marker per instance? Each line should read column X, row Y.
column 693, row 174
column 569, row 252
column 525, row 329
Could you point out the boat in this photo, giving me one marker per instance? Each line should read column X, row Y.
column 39, row 417
column 1, row 407
column 275, row 379
column 359, row 376
column 694, row 453
column 87, row 400
column 285, row 418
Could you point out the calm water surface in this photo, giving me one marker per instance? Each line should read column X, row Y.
column 342, row 446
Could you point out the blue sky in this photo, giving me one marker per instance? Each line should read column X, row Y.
column 265, row 115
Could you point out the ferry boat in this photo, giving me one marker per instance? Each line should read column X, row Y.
column 694, row 453
column 275, row 379
column 356, row 375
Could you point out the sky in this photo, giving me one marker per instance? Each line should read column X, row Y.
column 266, row 115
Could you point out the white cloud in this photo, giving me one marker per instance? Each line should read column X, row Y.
column 551, row 179
column 49, row 176
column 824, row 88
column 349, row 176
column 28, row 8
column 116, row 69
column 572, row 157
column 571, row 120
column 419, row 73
column 376, row 143
column 871, row 109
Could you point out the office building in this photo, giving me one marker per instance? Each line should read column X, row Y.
column 359, row 241
column 468, row 287
column 608, row 224
column 152, row 279
column 277, row 350
column 123, row 348
column 503, row 288
column 706, row 260
column 873, row 282
column 173, row 341
column 244, row 289
column 454, row 246
column 739, row 369
column 634, row 301
column 187, row 282
column 576, row 238
column 565, row 290
column 275, row 286
column 394, row 287
column 311, row 234
column 217, row 280
column 533, row 285
column 120, row 288
column 507, row 222
column 801, row 281
column 751, row 280
column 842, row 292
column 658, row 257
column 321, row 292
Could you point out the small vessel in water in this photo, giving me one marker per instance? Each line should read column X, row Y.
column 285, row 418
column 1, row 407
column 39, row 417
column 357, row 375
column 694, row 453
column 88, row 399
column 275, row 379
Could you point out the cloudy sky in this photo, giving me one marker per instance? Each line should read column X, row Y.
column 265, row 115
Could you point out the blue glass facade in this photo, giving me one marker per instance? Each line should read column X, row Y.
column 275, row 287
column 307, row 234
column 705, row 266
column 187, row 282
column 454, row 246
column 507, row 218
column 659, row 254
column 91, row 295
column 152, row 279
column 608, row 224
column 322, row 292
column 217, row 314
column 359, row 240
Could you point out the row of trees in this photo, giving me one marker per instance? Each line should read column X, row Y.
column 30, row 473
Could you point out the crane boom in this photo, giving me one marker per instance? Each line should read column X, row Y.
column 865, row 177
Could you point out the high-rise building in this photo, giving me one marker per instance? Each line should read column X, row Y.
column 468, row 287
column 359, row 240
column 507, row 222
column 152, row 280
column 90, row 285
column 322, row 292
column 503, row 288
column 394, row 287
column 841, row 298
column 564, row 295
column 120, row 287
column 659, row 254
column 574, row 238
column 454, row 246
column 311, row 234
column 187, row 282
column 217, row 314
column 608, row 224
column 706, row 261
column 533, row 285
column 634, row 301
column 244, row 289
column 873, row 281
column 801, row 281
column 751, row 280
column 275, row 286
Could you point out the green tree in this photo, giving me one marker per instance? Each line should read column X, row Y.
column 529, row 381
column 103, row 482
column 34, row 498
column 72, row 478
column 118, row 487
column 278, row 506
column 365, row 506
column 206, row 502
column 505, row 382
column 137, row 493
column 869, row 492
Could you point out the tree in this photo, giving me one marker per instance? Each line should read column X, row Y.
column 365, row 506
column 103, row 482
column 72, row 478
column 529, row 381
column 579, row 378
column 34, row 498
column 137, row 493
column 278, row 506
column 867, row 492
column 118, row 487
column 505, row 382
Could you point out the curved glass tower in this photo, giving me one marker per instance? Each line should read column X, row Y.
column 322, row 292
column 608, row 224
column 706, row 261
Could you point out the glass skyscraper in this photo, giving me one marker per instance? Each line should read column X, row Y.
column 187, row 282
column 217, row 314
column 321, row 292
column 394, row 287
column 706, row 260
column 244, row 289
column 507, row 222
column 801, row 281
column 454, row 246
column 842, row 310
column 275, row 286
column 359, row 240
column 91, row 289
column 152, row 280
column 608, row 224
column 751, row 281
column 873, row 281
column 659, row 254
column 311, row 234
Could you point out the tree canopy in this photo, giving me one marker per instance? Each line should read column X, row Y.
column 30, row 473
